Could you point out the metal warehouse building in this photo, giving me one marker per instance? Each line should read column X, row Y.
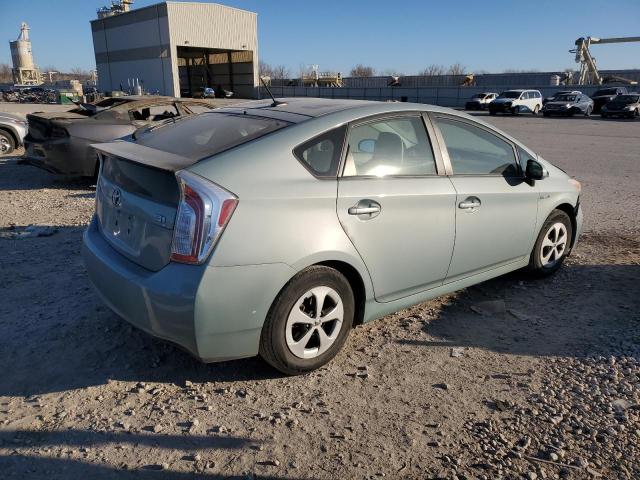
column 175, row 48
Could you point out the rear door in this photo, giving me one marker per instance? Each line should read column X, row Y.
column 396, row 205
column 496, row 208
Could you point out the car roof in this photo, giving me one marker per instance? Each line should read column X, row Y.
column 299, row 109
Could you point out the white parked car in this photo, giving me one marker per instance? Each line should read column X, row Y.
column 517, row 101
column 480, row 101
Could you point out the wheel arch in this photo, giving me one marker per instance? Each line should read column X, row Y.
column 571, row 212
column 357, row 286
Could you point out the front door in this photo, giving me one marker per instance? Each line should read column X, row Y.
column 395, row 208
column 496, row 209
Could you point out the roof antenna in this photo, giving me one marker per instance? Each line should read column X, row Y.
column 275, row 102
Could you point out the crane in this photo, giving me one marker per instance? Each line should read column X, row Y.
column 588, row 70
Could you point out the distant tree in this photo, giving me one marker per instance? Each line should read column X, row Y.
column 432, row 70
column 5, row 73
column 280, row 72
column 362, row 71
column 457, row 69
column 265, row 69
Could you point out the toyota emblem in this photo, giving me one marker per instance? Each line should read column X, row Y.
column 116, row 197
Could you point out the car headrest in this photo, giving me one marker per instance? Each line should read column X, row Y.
column 388, row 145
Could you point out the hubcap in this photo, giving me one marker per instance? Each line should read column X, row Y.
column 4, row 144
column 314, row 322
column 553, row 245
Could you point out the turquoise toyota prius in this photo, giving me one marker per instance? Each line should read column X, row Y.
column 272, row 228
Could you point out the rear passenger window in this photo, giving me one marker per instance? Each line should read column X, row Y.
column 391, row 147
column 321, row 154
column 474, row 151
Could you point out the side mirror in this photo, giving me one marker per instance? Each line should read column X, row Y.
column 534, row 170
column 367, row 145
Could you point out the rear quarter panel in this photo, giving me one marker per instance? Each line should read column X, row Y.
column 284, row 214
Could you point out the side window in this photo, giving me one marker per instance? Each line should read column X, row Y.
column 196, row 108
column 474, row 151
column 154, row 113
column 397, row 146
column 321, row 154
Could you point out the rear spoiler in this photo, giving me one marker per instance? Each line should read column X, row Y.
column 148, row 156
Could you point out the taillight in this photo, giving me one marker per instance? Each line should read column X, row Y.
column 204, row 211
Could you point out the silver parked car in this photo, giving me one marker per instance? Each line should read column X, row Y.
column 274, row 228
column 13, row 129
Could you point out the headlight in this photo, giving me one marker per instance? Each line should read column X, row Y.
column 628, row 107
column 576, row 184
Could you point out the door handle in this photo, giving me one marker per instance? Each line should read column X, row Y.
column 469, row 203
column 365, row 207
column 363, row 210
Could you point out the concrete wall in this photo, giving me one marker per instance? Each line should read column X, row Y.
column 443, row 96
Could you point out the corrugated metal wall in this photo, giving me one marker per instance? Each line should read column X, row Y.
column 443, row 96
column 207, row 25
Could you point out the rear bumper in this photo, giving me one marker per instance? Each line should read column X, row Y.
column 215, row 313
column 63, row 155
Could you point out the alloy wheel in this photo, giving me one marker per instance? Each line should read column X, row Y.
column 314, row 322
column 554, row 244
column 5, row 146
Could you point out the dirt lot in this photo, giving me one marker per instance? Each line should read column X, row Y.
column 513, row 378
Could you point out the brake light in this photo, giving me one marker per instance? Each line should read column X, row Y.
column 203, row 213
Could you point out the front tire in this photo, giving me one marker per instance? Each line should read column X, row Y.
column 308, row 322
column 552, row 246
column 7, row 145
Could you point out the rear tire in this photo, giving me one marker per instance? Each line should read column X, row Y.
column 552, row 246
column 492, row 113
column 7, row 144
column 297, row 337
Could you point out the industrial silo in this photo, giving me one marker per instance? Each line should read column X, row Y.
column 24, row 70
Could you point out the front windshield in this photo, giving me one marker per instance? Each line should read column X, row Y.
column 510, row 95
column 565, row 98
column 628, row 98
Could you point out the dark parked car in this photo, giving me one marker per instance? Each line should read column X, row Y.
column 604, row 95
column 568, row 104
column 627, row 105
column 61, row 141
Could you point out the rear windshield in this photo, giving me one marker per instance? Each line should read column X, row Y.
column 209, row 133
column 510, row 95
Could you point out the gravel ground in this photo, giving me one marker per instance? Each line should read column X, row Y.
column 510, row 379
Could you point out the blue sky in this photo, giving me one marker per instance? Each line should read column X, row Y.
column 404, row 36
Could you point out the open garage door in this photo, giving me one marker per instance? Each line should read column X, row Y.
column 231, row 70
